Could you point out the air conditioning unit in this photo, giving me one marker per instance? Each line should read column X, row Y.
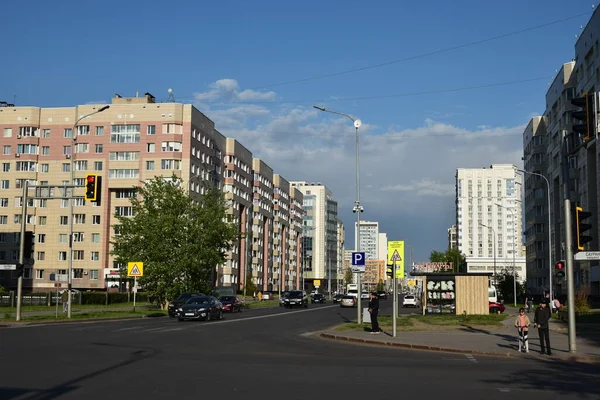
column 85, row 272
column 67, row 156
column 18, row 136
column 17, row 155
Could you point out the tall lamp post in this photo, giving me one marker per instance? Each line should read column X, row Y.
column 549, row 225
column 357, row 207
column 329, row 269
column 493, row 230
column 72, row 178
column 512, row 213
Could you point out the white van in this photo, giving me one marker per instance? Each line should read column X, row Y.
column 493, row 294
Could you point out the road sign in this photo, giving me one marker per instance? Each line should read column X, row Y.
column 358, row 262
column 135, row 269
column 8, row 267
column 395, row 253
column 317, row 283
column 587, row 255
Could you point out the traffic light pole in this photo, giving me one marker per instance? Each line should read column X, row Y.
column 570, row 260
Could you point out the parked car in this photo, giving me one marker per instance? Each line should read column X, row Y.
column 496, row 308
column 181, row 299
column 318, row 298
column 382, row 294
column 337, row 298
column 296, row 298
column 348, row 301
column 409, row 300
column 200, row 307
column 282, row 298
column 267, row 296
column 231, row 304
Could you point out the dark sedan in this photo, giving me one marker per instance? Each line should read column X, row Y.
column 318, row 298
column 179, row 301
column 337, row 298
column 230, row 304
column 202, row 307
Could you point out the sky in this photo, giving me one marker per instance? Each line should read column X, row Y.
column 438, row 85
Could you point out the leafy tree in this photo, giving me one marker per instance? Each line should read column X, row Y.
column 348, row 277
column 180, row 239
column 380, row 287
column 451, row 255
column 251, row 287
column 505, row 285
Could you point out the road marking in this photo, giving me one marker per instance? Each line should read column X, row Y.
column 128, row 329
column 471, row 358
column 505, row 390
column 170, row 330
column 307, row 334
column 153, row 329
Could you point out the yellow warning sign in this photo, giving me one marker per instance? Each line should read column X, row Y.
column 135, row 269
column 396, row 255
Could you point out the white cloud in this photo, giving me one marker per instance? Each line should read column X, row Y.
column 228, row 90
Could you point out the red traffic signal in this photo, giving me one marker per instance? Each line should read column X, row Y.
column 91, row 178
column 92, row 187
column 559, row 269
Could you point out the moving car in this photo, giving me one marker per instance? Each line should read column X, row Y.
column 382, row 294
column 337, row 298
column 296, row 298
column 318, row 298
column 409, row 300
column 200, row 307
column 231, row 304
column 348, row 301
column 496, row 308
column 282, row 298
column 181, row 299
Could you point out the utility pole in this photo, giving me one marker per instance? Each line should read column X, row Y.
column 21, row 266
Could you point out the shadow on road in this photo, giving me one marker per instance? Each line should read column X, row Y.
column 569, row 378
column 137, row 354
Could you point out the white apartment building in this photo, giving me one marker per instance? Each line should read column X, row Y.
column 321, row 233
column 489, row 219
column 369, row 239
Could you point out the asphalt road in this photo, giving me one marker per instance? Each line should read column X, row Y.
column 258, row 354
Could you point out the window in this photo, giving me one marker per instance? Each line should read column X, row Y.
column 4, row 202
column 26, row 166
column 151, row 130
column 124, row 211
column 67, row 151
column 94, row 274
column 6, row 150
column 78, row 237
column 3, row 219
column 99, row 149
column 68, row 133
column 124, row 155
column 27, row 149
column 45, row 150
column 29, row 131
column 45, row 168
column 64, row 220
column 7, row 132
column 95, row 238
column 95, row 256
column 82, row 148
column 66, row 167
column 42, row 220
column 150, row 165
column 41, row 256
column 62, row 256
column 123, row 173
column 41, row 238
column 83, row 130
column 125, row 193
column 5, row 167
column 77, row 273
column 99, row 130
column 79, row 219
column 95, row 220
column 129, row 133
column 46, row 133
column 170, row 164
column 78, row 255
column 97, row 165
column 81, row 165
column 151, row 148
column 39, row 274
column 171, row 146
column 62, row 238
column 5, row 184
column 27, row 273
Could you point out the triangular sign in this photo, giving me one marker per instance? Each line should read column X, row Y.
column 396, row 256
column 135, row 271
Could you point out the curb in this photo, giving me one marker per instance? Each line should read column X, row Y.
column 72, row 321
column 581, row 359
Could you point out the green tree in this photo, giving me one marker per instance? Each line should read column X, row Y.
column 251, row 287
column 380, row 286
column 505, row 285
column 348, row 277
column 451, row 255
column 179, row 238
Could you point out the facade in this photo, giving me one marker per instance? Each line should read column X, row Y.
column 488, row 218
column 374, row 273
column 341, row 240
column 321, row 231
column 134, row 140
column 452, row 237
column 369, row 239
column 294, row 269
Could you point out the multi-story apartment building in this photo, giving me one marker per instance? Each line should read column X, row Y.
column 452, row 237
column 134, row 140
column 321, row 231
column 295, row 240
column 488, row 219
column 281, row 230
column 341, row 240
column 369, row 239
column 549, row 145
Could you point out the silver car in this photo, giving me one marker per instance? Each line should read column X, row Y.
column 348, row 301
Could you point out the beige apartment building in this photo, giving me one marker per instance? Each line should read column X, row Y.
column 134, row 140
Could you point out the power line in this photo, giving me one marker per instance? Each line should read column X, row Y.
column 445, row 50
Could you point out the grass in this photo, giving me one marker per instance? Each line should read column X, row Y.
column 420, row 322
column 88, row 315
column 263, row 304
column 26, row 308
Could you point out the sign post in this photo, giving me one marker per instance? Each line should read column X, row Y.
column 358, row 264
column 395, row 256
column 135, row 269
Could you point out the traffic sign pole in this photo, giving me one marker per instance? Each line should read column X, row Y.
column 134, row 291
column 395, row 304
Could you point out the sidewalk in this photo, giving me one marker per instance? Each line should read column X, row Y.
column 491, row 341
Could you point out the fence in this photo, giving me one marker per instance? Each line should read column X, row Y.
column 49, row 299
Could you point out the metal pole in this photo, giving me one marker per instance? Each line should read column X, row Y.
column 570, row 277
column 21, row 266
column 134, row 291
column 358, row 279
column 514, row 259
column 329, row 271
column 395, row 302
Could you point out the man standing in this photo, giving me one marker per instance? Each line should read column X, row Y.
column 541, row 319
column 374, row 310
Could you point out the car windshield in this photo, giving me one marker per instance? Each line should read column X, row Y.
column 227, row 298
column 348, row 297
column 318, row 296
column 295, row 295
column 409, row 297
column 198, row 300
column 184, row 297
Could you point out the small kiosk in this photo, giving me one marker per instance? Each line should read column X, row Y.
column 447, row 292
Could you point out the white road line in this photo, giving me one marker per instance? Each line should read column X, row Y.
column 128, row 329
column 170, row 330
column 153, row 329
column 471, row 358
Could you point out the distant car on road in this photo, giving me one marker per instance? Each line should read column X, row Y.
column 382, row 294
column 201, row 307
column 181, row 299
column 282, row 298
column 231, row 304
column 348, row 301
column 337, row 298
column 496, row 308
column 318, row 298
column 409, row 300
column 296, row 298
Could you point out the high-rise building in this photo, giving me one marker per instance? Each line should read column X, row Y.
column 134, row 140
column 321, row 233
column 452, row 237
column 369, row 239
column 488, row 219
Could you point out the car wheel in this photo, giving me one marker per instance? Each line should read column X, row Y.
column 207, row 316
column 221, row 315
column 495, row 310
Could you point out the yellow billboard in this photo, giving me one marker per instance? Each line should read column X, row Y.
column 395, row 253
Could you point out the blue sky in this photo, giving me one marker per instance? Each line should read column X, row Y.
column 235, row 60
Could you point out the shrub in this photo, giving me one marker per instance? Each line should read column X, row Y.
column 93, row 298
column 581, row 300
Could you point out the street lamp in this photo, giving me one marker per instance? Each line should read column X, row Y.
column 512, row 213
column 357, row 207
column 72, row 177
column 493, row 230
column 329, row 269
column 549, row 226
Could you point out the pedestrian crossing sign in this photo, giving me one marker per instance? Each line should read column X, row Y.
column 135, row 269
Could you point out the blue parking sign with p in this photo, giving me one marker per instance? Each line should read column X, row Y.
column 358, row 258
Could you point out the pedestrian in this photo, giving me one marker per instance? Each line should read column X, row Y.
column 65, row 300
column 522, row 324
column 541, row 320
column 530, row 304
column 374, row 311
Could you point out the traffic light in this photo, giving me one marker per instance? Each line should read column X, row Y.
column 587, row 115
column 92, row 187
column 559, row 270
column 389, row 272
column 581, row 227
